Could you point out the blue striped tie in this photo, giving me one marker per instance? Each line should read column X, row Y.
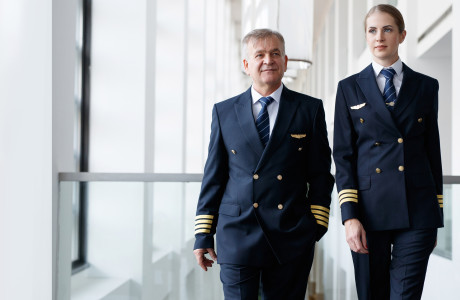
column 263, row 122
column 389, row 91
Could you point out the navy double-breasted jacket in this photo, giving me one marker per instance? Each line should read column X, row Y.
column 388, row 163
column 260, row 199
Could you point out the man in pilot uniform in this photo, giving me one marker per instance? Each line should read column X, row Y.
column 267, row 184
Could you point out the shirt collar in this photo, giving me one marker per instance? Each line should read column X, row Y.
column 397, row 66
column 276, row 95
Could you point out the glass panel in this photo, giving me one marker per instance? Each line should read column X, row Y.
column 75, row 255
column 444, row 247
column 139, row 242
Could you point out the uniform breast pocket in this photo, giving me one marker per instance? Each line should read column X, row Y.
column 364, row 183
column 298, row 140
column 232, row 210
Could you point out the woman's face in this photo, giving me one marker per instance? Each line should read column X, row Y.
column 383, row 38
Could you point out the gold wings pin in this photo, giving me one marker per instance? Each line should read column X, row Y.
column 358, row 106
column 298, row 135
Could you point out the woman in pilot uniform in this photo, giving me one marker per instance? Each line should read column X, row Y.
column 388, row 162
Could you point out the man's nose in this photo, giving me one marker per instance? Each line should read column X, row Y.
column 268, row 59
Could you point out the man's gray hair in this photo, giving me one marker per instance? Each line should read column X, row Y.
column 258, row 34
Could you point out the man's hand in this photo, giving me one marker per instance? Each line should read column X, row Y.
column 356, row 236
column 202, row 260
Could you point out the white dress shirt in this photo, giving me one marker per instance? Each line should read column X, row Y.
column 397, row 78
column 272, row 109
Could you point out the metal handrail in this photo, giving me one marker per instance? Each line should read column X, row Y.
column 130, row 177
column 163, row 177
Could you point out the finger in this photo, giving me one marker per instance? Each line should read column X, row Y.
column 364, row 241
column 199, row 255
column 212, row 253
column 359, row 247
column 352, row 245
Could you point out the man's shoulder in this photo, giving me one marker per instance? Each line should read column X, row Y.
column 234, row 99
column 304, row 98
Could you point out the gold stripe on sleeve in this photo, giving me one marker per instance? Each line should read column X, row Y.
column 204, row 217
column 319, row 207
column 320, row 212
column 203, row 221
column 321, row 218
column 202, row 226
column 347, row 195
column 322, row 223
column 347, row 200
column 353, row 191
column 202, row 231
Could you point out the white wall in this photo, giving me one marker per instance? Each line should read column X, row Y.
column 25, row 150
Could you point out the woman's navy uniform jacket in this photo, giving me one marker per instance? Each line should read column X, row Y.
column 388, row 163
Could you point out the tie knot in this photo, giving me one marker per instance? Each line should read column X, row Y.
column 388, row 73
column 266, row 101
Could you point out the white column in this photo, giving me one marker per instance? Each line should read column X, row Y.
column 26, row 150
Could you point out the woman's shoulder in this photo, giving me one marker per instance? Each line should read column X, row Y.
column 427, row 79
column 351, row 80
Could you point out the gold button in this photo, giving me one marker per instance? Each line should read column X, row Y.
column 300, row 149
column 256, row 176
column 361, row 120
column 233, row 151
column 377, row 143
column 280, row 206
column 400, row 140
column 256, row 205
column 378, row 170
column 401, row 168
column 279, row 177
column 420, row 120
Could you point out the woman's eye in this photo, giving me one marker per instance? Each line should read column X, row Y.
column 372, row 30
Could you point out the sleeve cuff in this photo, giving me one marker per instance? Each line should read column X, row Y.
column 440, row 200
column 321, row 214
column 203, row 223
column 348, row 195
column 348, row 201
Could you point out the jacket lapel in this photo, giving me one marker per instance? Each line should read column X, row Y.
column 407, row 91
column 287, row 109
column 368, row 85
column 243, row 110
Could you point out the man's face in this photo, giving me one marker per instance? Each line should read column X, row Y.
column 265, row 63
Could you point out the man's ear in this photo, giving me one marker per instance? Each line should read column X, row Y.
column 246, row 67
